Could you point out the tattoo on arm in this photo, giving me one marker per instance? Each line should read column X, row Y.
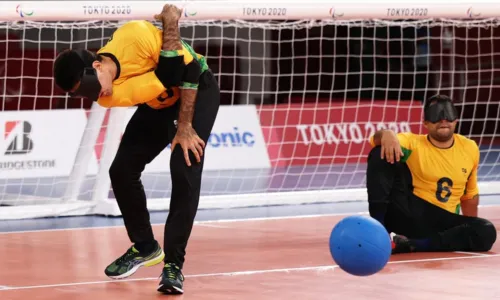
column 171, row 36
column 188, row 100
column 172, row 42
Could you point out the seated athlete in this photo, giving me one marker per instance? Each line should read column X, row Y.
column 417, row 184
column 178, row 100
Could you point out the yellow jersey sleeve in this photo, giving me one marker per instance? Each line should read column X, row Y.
column 371, row 140
column 135, row 90
column 406, row 140
column 471, row 188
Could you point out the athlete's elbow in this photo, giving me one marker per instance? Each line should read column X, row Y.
column 191, row 76
column 170, row 70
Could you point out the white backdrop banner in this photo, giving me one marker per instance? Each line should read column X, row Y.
column 236, row 142
column 39, row 143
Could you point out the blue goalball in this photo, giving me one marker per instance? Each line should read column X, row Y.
column 360, row 245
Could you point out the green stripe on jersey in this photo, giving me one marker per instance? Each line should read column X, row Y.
column 202, row 61
column 170, row 53
column 406, row 154
column 188, row 85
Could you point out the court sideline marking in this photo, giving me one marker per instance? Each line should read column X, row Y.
column 472, row 253
column 201, row 223
column 237, row 273
column 196, row 223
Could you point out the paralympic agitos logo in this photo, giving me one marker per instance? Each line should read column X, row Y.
column 23, row 12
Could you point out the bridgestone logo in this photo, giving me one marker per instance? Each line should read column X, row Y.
column 19, row 142
column 27, row 164
column 17, row 134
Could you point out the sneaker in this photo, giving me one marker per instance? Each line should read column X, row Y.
column 132, row 260
column 401, row 244
column 171, row 280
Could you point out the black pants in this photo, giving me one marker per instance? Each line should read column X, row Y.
column 146, row 135
column 390, row 190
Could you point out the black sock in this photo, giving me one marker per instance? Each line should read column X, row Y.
column 421, row 245
column 426, row 244
column 146, row 247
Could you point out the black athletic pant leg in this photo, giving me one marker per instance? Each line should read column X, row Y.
column 387, row 186
column 390, row 198
column 186, row 181
column 454, row 232
column 145, row 136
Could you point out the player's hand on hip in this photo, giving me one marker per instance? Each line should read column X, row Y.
column 170, row 12
column 390, row 147
column 188, row 139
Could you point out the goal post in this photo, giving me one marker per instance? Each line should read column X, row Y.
column 303, row 86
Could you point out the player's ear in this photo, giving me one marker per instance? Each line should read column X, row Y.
column 426, row 124
column 97, row 65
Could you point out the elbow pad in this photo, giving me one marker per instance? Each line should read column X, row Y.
column 191, row 77
column 170, row 69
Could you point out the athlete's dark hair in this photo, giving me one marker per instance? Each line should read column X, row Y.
column 436, row 98
column 69, row 66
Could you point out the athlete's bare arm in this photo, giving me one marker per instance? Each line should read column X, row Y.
column 186, row 136
column 171, row 42
column 469, row 207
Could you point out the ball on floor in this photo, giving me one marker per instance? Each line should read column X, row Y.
column 360, row 245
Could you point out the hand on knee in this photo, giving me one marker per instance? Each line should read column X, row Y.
column 178, row 166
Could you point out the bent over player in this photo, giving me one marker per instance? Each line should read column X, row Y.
column 178, row 100
column 417, row 184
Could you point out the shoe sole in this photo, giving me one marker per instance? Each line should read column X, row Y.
column 170, row 290
column 148, row 263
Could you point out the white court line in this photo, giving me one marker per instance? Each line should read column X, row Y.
column 197, row 223
column 472, row 253
column 213, row 225
column 208, row 221
column 238, row 273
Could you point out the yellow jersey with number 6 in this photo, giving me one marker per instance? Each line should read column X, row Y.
column 442, row 177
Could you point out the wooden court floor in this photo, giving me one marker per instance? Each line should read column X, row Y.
column 280, row 258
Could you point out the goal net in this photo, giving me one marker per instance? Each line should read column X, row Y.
column 299, row 102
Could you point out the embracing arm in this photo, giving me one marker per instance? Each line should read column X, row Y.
column 469, row 207
column 470, row 200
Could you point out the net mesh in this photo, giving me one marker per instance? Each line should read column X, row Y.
column 321, row 88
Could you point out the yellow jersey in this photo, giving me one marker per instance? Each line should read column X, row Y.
column 135, row 48
column 442, row 177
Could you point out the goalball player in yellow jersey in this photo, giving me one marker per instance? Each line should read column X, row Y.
column 178, row 99
column 417, row 184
